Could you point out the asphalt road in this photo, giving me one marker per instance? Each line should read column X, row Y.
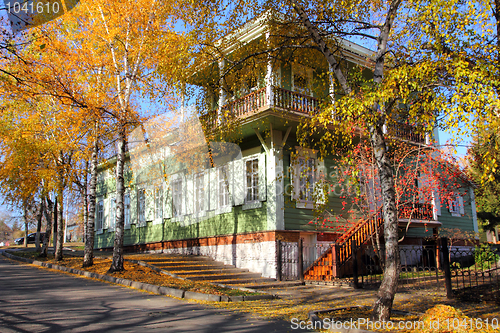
column 37, row 300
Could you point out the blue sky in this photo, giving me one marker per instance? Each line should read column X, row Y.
column 461, row 146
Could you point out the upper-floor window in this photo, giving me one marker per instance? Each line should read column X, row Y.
column 177, row 197
column 456, row 205
column 252, row 180
column 301, row 79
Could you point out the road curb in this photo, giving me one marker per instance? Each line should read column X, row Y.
column 166, row 291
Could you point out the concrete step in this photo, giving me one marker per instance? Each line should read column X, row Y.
column 175, row 264
column 198, row 267
column 233, row 276
column 203, row 268
column 273, row 284
column 182, row 272
column 241, row 282
column 169, row 258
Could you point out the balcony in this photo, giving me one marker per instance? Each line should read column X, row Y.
column 407, row 132
column 416, row 211
column 281, row 98
column 289, row 101
column 260, row 100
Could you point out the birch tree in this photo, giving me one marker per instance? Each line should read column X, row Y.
column 418, row 60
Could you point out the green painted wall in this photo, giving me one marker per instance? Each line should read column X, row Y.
column 237, row 221
column 448, row 221
column 299, row 218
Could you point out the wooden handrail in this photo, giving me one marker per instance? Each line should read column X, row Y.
column 247, row 104
column 356, row 236
column 294, row 101
column 407, row 132
column 416, row 210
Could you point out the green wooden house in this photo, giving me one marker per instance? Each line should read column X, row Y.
column 237, row 209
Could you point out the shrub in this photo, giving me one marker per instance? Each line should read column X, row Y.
column 485, row 258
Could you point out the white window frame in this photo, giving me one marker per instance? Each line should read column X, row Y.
column 254, row 175
column 99, row 216
column 158, row 204
column 177, row 186
column 200, row 195
column 456, row 206
column 306, row 178
column 112, row 213
column 223, row 188
column 126, row 210
column 317, row 175
column 141, row 207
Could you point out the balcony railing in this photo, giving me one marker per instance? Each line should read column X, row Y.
column 246, row 104
column 281, row 98
column 407, row 132
column 416, row 211
column 294, row 101
column 288, row 100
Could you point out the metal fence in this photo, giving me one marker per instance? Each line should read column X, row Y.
column 295, row 257
column 474, row 266
column 423, row 266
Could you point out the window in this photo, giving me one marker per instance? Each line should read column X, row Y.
column 302, row 77
column 158, row 203
column 252, row 180
column 177, row 197
column 100, row 215
column 126, row 206
column 306, row 178
column 223, row 182
column 456, row 206
column 371, row 188
column 141, row 206
column 112, row 212
column 199, row 192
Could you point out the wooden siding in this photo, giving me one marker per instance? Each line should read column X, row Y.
column 299, row 218
column 448, row 221
column 237, row 221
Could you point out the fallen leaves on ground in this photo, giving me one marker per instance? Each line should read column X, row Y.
column 136, row 272
column 299, row 305
column 413, row 301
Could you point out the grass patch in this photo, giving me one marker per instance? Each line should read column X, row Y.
column 136, row 272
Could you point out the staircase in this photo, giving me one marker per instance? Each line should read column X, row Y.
column 332, row 263
column 203, row 268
